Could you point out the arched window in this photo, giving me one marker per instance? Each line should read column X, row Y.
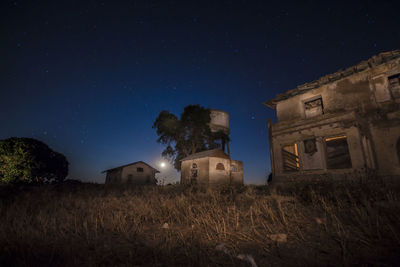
column 194, row 166
column 220, row 167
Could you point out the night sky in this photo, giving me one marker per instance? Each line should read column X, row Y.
column 89, row 77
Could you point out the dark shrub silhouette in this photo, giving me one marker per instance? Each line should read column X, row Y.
column 27, row 160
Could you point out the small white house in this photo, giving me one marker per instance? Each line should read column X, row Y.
column 138, row 173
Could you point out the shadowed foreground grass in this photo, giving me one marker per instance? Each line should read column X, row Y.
column 355, row 223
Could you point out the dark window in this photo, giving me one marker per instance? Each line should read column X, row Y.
column 337, row 153
column 398, row 149
column 220, row 167
column 139, row 169
column 290, row 158
column 130, row 178
column 194, row 170
column 234, row 168
column 394, row 85
column 193, row 174
column 313, row 107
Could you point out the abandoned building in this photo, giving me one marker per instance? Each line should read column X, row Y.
column 342, row 125
column 213, row 167
column 137, row 173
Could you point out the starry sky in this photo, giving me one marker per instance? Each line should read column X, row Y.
column 89, row 77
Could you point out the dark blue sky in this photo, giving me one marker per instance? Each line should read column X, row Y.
column 89, row 77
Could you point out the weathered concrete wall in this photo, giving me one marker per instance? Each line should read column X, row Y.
column 358, row 104
column 219, row 176
column 207, row 172
column 202, row 170
column 232, row 173
column 139, row 178
column 363, row 91
column 329, row 127
column 312, row 161
column 185, row 171
column 386, row 137
column 237, row 175
column 290, row 109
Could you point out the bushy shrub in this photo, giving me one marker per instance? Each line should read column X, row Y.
column 27, row 160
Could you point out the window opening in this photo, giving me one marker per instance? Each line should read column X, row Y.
column 139, row 169
column 313, row 107
column 337, row 153
column 394, row 85
column 234, row 168
column 220, row 167
column 290, row 157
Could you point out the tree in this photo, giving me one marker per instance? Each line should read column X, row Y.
column 188, row 135
column 27, row 160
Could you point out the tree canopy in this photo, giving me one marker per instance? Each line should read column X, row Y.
column 27, row 160
column 188, row 134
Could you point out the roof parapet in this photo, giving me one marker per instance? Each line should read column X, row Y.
column 340, row 74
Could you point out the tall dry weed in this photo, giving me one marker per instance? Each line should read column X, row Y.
column 320, row 224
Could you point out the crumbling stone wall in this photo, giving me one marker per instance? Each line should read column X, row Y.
column 201, row 172
column 212, row 171
column 364, row 91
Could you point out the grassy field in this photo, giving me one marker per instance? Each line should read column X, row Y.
column 355, row 223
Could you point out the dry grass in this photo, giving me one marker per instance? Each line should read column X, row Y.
column 326, row 224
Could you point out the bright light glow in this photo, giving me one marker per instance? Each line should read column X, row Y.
column 162, row 164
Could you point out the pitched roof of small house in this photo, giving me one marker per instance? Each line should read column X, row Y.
column 133, row 163
column 218, row 153
column 363, row 65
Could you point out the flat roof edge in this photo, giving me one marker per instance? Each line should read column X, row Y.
column 373, row 61
column 271, row 104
